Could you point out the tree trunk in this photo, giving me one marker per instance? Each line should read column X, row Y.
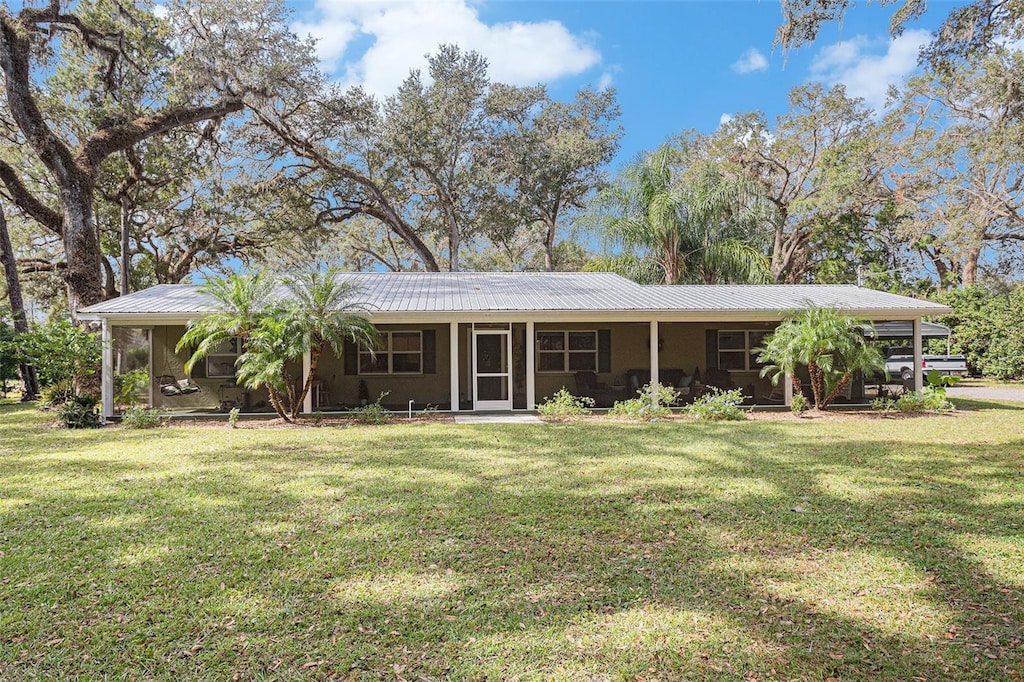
column 816, row 383
column 81, row 247
column 27, row 371
column 314, row 360
column 969, row 275
column 126, row 256
column 550, row 230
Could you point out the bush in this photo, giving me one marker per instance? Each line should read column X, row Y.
column 986, row 328
column 138, row 417
column 233, row 417
column 563, row 405
column 928, row 400
column 883, row 404
column 931, row 399
column 718, row 405
column 798, row 405
column 652, row 403
column 80, row 413
column 60, row 352
column 56, row 394
column 375, row 412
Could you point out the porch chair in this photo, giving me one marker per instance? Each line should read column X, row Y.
column 588, row 385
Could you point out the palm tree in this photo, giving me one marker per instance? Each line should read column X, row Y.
column 830, row 344
column 687, row 217
column 326, row 314
column 314, row 311
column 240, row 302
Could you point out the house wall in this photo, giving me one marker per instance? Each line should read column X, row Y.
column 167, row 361
column 683, row 347
column 424, row 389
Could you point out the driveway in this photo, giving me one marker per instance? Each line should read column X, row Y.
column 982, row 393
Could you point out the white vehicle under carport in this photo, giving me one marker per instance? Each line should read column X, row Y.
column 899, row 364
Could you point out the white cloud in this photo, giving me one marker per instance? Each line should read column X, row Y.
column 856, row 64
column 723, row 119
column 401, row 33
column 749, row 61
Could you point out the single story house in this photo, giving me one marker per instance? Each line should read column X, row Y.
column 496, row 341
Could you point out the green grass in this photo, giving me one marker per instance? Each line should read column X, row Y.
column 581, row 551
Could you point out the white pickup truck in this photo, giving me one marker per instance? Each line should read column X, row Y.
column 899, row 363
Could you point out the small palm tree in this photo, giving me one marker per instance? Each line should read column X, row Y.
column 314, row 311
column 326, row 314
column 830, row 344
column 240, row 302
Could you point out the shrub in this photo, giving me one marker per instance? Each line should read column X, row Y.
column 56, row 394
column 60, row 352
column 798, row 405
column 80, row 413
column 563, row 405
column 233, row 417
column 375, row 412
column 883, row 404
column 931, row 399
column 986, row 328
column 718, row 405
column 652, row 403
column 139, row 417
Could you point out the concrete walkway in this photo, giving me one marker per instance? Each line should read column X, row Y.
column 981, row 393
column 497, row 418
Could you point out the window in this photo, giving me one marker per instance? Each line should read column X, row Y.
column 735, row 349
column 567, row 351
column 398, row 353
column 220, row 362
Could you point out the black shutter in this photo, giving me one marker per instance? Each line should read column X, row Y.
column 429, row 351
column 604, row 350
column 711, row 344
column 350, row 356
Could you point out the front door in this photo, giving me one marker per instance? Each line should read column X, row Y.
column 492, row 370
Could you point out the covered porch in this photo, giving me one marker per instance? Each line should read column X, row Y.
column 465, row 365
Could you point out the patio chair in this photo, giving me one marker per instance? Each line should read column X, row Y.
column 588, row 385
column 171, row 387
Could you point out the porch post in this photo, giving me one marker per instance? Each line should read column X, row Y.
column 787, row 389
column 307, row 402
column 654, row 353
column 107, row 370
column 453, row 363
column 531, row 361
column 918, row 356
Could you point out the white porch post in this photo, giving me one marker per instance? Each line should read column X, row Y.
column 654, row 353
column 307, row 402
column 453, row 363
column 531, row 361
column 787, row 390
column 107, row 370
column 918, row 356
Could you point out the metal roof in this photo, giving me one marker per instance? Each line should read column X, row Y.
column 469, row 292
column 904, row 329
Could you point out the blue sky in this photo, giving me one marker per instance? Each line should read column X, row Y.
column 675, row 65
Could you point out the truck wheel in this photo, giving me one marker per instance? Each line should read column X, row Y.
column 906, row 374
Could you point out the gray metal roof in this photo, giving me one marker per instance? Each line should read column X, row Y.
column 467, row 292
column 904, row 329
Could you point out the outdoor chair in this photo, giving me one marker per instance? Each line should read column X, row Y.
column 588, row 385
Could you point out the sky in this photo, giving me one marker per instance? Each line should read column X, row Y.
column 675, row 65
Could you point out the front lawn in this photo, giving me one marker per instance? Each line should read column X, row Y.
column 773, row 548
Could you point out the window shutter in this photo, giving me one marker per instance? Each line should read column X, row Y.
column 604, row 350
column 711, row 343
column 350, row 356
column 429, row 351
